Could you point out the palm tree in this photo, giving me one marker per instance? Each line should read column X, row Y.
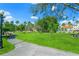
column 77, row 22
column 12, row 22
column 69, row 23
column 63, row 24
column 30, row 26
column 17, row 22
column 25, row 24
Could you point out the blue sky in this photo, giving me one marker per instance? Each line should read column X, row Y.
column 22, row 12
column 18, row 11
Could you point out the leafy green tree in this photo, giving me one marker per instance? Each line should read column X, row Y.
column 25, row 23
column 77, row 22
column 63, row 24
column 21, row 27
column 69, row 23
column 8, row 26
column 17, row 24
column 30, row 26
column 48, row 24
column 12, row 22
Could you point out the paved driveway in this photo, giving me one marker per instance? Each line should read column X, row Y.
column 29, row 49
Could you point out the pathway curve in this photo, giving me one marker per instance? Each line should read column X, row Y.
column 29, row 49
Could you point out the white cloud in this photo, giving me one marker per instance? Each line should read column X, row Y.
column 1, row 11
column 7, row 15
column 53, row 8
column 34, row 17
column 66, row 21
column 8, row 18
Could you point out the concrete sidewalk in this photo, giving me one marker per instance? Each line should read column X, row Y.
column 29, row 49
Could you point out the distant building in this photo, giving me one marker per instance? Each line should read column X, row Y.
column 75, row 28
column 66, row 28
column 69, row 28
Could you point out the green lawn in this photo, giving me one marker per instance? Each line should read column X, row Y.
column 55, row 40
column 6, row 47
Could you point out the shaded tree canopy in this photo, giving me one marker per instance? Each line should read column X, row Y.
column 48, row 24
column 59, row 9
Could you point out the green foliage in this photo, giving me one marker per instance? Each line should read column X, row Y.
column 25, row 22
column 63, row 24
column 20, row 27
column 8, row 26
column 48, row 24
column 17, row 22
column 69, row 23
column 77, row 22
column 29, row 26
column 61, row 41
column 6, row 47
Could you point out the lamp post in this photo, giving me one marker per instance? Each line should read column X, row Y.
column 1, row 23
